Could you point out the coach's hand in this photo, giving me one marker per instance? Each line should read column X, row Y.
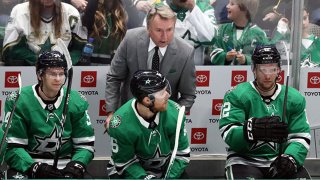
column 267, row 128
column 283, row 167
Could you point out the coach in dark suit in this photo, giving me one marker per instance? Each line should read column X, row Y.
column 136, row 52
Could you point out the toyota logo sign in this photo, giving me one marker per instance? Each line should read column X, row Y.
column 198, row 135
column 315, row 80
column 238, row 78
column 104, row 108
column 88, row 79
column 217, row 107
column 202, row 78
column 12, row 79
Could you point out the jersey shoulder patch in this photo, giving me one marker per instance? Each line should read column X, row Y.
column 115, row 121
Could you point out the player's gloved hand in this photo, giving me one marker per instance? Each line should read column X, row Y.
column 74, row 170
column 40, row 170
column 267, row 128
column 283, row 167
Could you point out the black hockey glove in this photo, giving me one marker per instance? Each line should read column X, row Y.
column 267, row 128
column 44, row 171
column 283, row 167
column 74, row 170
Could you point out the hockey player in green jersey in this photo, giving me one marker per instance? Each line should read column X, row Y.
column 37, row 122
column 142, row 132
column 253, row 127
column 236, row 40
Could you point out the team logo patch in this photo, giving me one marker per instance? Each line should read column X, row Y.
column 115, row 121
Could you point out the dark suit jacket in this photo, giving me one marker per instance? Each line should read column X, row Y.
column 177, row 66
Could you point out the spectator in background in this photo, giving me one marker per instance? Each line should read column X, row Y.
column 310, row 54
column 263, row 141
column 157, row 45
column 270, row 12
column 235, row 41
column 5, row 9
column 34, row 27
column 108, row 30
column 87, row 10
column 196, row 23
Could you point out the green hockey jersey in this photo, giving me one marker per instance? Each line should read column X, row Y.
column 244, row 102
column 33, row 133
column 251, row 36
column 140, row 148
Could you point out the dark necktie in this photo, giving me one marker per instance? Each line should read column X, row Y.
column 156, row 59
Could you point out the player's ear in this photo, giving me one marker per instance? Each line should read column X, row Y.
column 39, row 77
column 146, row 100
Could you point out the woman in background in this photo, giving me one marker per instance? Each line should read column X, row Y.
column 108, row 30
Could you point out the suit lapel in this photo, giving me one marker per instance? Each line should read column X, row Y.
column 143, row 44
column 169, row 58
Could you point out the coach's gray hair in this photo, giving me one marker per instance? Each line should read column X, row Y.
column 164, row 11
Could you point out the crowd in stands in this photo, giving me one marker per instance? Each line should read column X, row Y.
column 219, row 33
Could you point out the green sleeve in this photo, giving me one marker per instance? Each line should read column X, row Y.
column 123, row 154
column 231, row 123
column 299, row 131
column 16, row 157
column 82, row 131
column 19, row 159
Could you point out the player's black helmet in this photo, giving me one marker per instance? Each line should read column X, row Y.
column 49, row 59
column 265, row 54
column 146, row 82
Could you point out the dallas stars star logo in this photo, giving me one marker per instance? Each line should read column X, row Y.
column 157, row 160
column 148, row 81
column 264, row 144
column 49, row 143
